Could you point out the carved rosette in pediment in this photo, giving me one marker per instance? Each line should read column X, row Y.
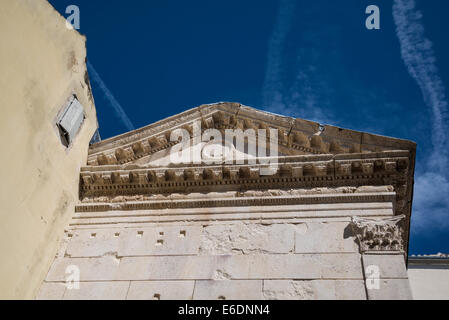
column 379, row 235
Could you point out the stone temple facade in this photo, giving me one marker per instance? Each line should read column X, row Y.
column 331, row 222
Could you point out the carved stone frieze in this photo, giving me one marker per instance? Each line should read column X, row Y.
column 241, row 194
column 290, row 172
column 278, row 198
column 379, row 235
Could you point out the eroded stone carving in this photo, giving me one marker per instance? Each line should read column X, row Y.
column 241, row 238
column 378, row 235
column 290, row 290
column 235, row 194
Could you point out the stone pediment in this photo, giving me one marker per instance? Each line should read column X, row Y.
column 295, row 136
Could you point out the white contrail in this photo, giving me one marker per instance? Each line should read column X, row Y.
column 300, row 99
column 120, row 113
column 272, row 90
column 431, row 204
column 419, row 58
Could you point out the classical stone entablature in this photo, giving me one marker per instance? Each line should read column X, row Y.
column 193, row 230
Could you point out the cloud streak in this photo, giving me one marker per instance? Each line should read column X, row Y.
column 300, row 99
column 272, row 91
column 432, row 185
column 419, row 58
column 119, row 111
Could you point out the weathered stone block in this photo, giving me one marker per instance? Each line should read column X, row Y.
column 391, row 266
column 314, row 289
column 341, row 266
column 243, row 238
column 288, row 290
column 279, row 266
column 324, row 237
column 182, row 240
column 179, row 240
column 391, row 289
column 51, row 291
column 98, row 291
column 228, row 290
column 340, row 289
column 161, row 290
column 92, row 243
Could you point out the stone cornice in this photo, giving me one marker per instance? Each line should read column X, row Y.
column 290, row 172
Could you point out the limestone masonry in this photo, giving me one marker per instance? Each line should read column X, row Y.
column 332, row 222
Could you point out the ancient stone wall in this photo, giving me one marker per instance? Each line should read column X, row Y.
column 299, row 251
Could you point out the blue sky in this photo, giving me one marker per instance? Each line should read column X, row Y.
column 308, row 59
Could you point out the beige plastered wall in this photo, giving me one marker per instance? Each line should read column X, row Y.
column 42, row 63
column 429, row 283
